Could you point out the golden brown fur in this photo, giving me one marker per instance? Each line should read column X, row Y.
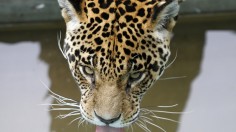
column 116, row 49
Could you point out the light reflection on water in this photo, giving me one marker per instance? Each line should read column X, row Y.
column 21, row 91
column 27, row 57
column 213, row 92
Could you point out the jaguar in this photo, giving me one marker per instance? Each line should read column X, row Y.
column 116, row 50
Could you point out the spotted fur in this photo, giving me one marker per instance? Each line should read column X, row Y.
column 116, row 50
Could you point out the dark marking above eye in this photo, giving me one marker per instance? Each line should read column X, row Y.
column 107, row 34
column 72, row 38
column 96, row 30
column 141, row 31
column 154, row 46
column 91, row 4
column 98, row 40
column 127, row 2
column 130, row 31
column 82, row 27
column 135, row 20
column 149, row 10
column 130, row 8
column 129, row 43
column 83, row 37
column 132, row 25
column 98, row 48
column 95, row 10
column 77, row 52
column 126, row 35
column 89, row 36
column 105, row 16
column 85, row 61
column 137, row 34
column 119, row 36
column 149, row 58
column 85, row 31
column 118, row 2
column 127, row 51
column 122, row 25
column 67, row 47
column 154, row 66
column 91, row 20
column 94, row 25
column 121, row 10
column 142, row 0
column 85, row 10
column 89, row 25
column 140, row 66
column 106, row 26
column 143, row 41
column 144, row 55
column 99, row 20
column 112, row 10
column 105, row 3
column 144, row 21
column 128, row 18
column 134, row 38
column 72, row 58
column 160, row 50
column 142, row 47
column 141, row 12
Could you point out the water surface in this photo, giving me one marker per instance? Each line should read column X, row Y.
column 205, row 58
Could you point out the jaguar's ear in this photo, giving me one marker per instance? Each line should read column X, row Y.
column 165, row 14
column 71, row 10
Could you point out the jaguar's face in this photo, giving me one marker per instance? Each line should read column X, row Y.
column 116, row 54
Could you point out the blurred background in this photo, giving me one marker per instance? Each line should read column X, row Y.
column 201, row 82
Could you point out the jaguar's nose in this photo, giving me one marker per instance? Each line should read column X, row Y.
column 107, row 121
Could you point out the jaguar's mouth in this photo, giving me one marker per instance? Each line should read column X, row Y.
column 108, row 129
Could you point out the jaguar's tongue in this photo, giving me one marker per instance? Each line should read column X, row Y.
column 108, row 129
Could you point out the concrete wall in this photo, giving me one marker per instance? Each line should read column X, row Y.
column 19, row 11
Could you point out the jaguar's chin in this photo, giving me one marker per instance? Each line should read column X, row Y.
column 118, row 123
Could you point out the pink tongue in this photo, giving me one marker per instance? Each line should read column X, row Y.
column 108, row 129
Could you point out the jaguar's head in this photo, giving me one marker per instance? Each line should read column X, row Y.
column 116, row 50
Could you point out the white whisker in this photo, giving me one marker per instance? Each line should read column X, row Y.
column 74, row 120
column 163, row 118
column 132, row 127
column 61, row 98
column 171, row 78
column 141, row 122
column 69, row 104
column 154, row 125
column 146, row 117
column 59, row 44
column 176, row 54
column 168, row 106
column 65, row 104
column 57, row 96
column 147, row 111
column 68, row 115
column 143, row 127
column 170, row 112
column 81, row 123
column 65, row 109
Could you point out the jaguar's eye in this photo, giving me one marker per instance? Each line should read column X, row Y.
column 88, row 71
column 135, row 76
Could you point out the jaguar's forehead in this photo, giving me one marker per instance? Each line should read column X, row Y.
column 113, row 35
